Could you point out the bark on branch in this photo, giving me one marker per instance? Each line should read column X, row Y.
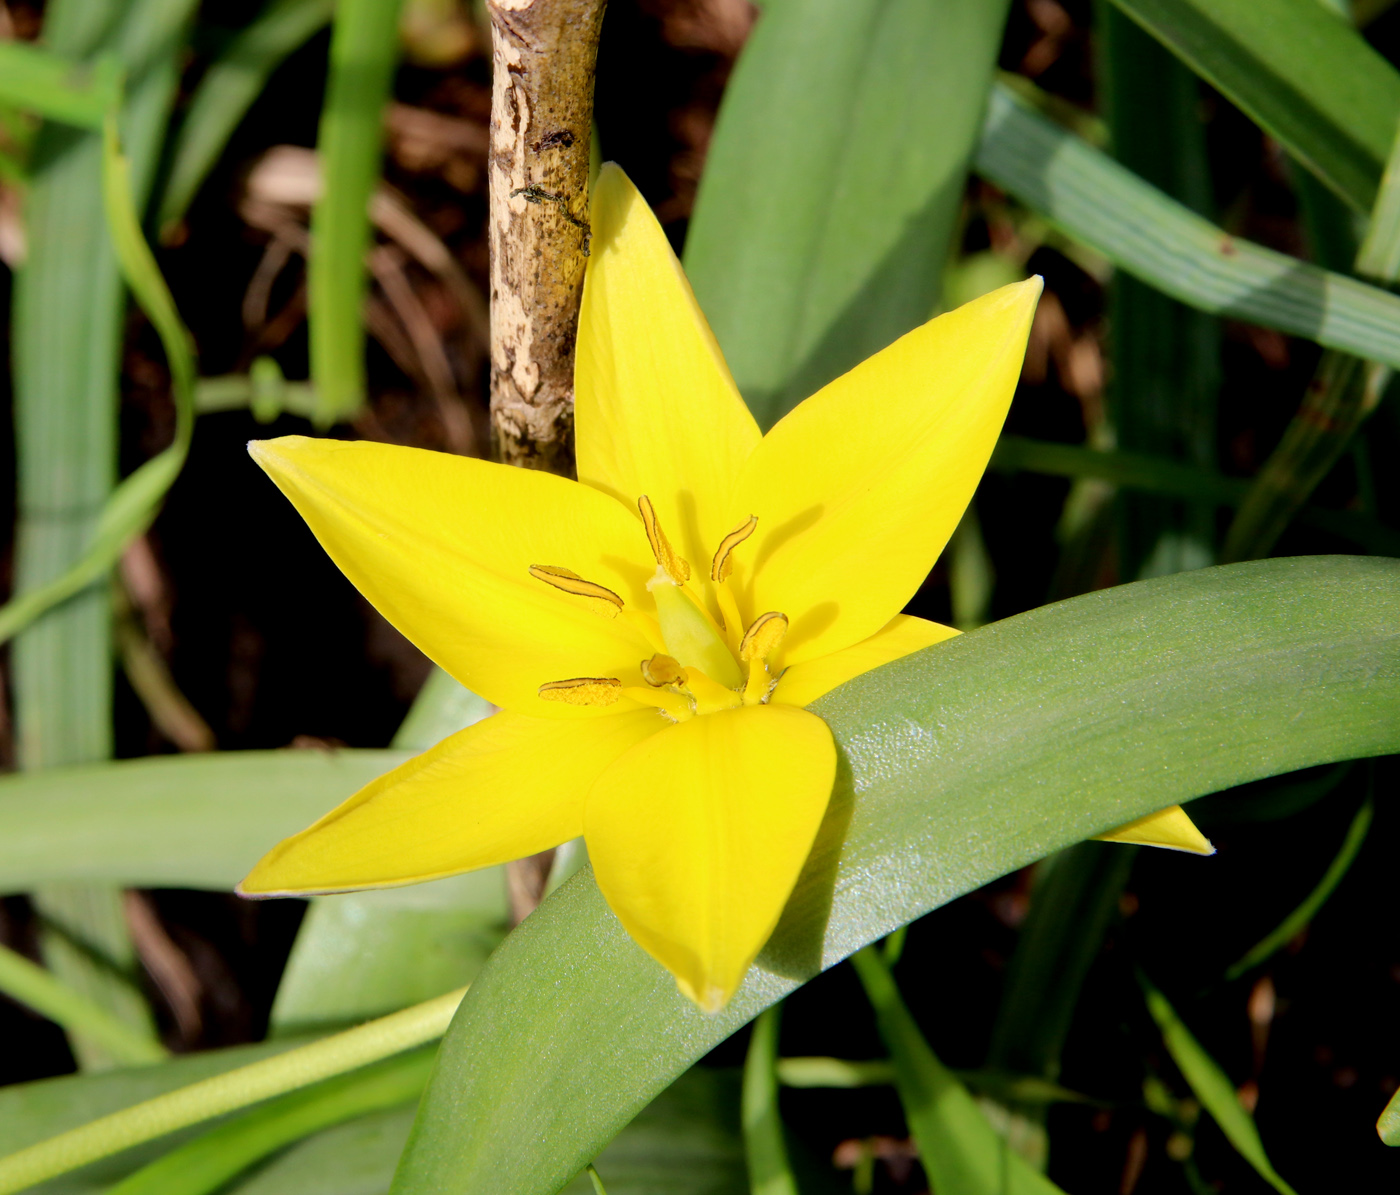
column 543, row 58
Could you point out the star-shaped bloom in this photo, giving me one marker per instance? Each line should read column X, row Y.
column 653, row 631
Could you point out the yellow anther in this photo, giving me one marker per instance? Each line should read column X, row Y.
column 662, row 670
column 763, row 636
column 597, row 598
column 583, row 690
column 721, row 566
column 674, row 565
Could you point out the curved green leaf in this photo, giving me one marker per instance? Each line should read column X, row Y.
column 177, row 821
column 1308, row 78
column 959, row 764
column 1097, row 202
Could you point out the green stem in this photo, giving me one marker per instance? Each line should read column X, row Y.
column 364, row 49
column 1297, row 921
column 38, row 989
column 228, row 1092
column 769, row 1170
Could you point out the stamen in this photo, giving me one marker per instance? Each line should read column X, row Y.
column 721, row 566
column 763, row 636
column 710, row 696
column 598, row 598
column 676, row 706
column 674, row 565
column 662, row 670
column 583, row 690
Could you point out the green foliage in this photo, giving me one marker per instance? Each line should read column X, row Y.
column 1310, row 81
column 195, row 821
column 957, row 1144
column 226, row 92
column 1006, row 737
column 1213, row 1088
column 832, row 185
column 770, row 1173
column 56, row 87
column 1101, row 204
column 364, row 50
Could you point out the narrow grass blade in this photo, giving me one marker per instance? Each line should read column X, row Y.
column 833, row 182
column 67, row 318
column 226, row 92
column 1007, row 738
column 1213, row 1088
column 1095, row 201
column 210, row 1161
column 135, row 502
column 57, row 88
column 958, row 1147
column 37, row 988
column 769, row 1170
column 227, row 1092
column 364, row 49
column 1310, row 81
column 1299, row 919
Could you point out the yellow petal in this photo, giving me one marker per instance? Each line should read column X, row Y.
column 502, row 789
column 657, row 412
column 698, row 834
column 1170, row 828
column 803, row 683
column 858, row 489
column 442, row 546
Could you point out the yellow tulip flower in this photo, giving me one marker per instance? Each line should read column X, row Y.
column 653, row 631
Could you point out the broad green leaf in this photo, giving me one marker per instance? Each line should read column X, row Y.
column 56, row 87
column 959, row 764
column 1213, row 1088
column 191, row 821
column 1297, row 921
column 833, row 182
column 226, row 92
column 1307, row 78
column 351, row 1159
column 1095, row 201
column 958, row 1147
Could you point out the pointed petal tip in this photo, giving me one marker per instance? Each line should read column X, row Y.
column 709, row 998
column 1169, row 829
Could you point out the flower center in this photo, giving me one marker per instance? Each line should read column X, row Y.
column 699, row 668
